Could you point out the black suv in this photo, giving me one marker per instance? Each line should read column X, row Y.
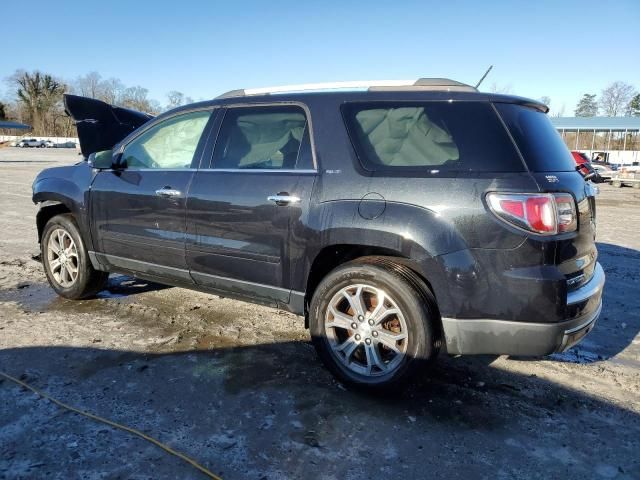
column 396, row 218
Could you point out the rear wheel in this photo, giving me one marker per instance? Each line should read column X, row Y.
column 616, row 183
column 66, row 262
column 374, row 323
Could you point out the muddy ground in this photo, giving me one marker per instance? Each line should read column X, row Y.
column 238, row 387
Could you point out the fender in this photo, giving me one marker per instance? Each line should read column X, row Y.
column 68, row 187
column 420, row 238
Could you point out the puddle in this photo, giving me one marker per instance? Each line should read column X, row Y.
column 34, row 297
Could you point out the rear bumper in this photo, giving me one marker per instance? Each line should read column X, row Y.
column 504, row 337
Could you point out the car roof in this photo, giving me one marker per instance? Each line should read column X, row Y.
column 434, row 89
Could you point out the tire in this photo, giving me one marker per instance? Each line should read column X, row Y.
column 414, row 333
column 75, row 278
column 616, row 184
column 636, row 185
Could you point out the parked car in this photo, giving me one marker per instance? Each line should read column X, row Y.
column 49, row 144
column 30, row 143
column 604, row 172
column 397, row 221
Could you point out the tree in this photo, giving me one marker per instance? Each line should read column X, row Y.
column 112, row 91
column 39, row 93
column 634, row 106
column 90, row 85
column 614, row 100
column 546, row 100
column 136, row 99
column 587, row 106
column 560, row 111
column 504, row 89
column 3, row 113
column 175, row 99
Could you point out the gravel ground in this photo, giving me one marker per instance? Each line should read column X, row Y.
column 238, row 387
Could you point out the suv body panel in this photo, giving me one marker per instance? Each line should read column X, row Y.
column 238, row 244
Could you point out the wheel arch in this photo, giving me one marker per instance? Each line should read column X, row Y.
column 48, row 210
column 332, row 256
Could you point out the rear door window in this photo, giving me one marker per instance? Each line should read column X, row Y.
column 262, row 138
column 430, row 137
column 538, row 140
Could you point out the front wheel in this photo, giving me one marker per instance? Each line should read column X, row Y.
column 374, row 323
column 66, row 262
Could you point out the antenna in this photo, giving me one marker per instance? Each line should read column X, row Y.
column 484, row 76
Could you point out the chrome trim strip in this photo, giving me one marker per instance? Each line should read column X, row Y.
column 259, row 170
column 592, row 318
column 305, row 87
column 593, row 287
column 135, row 169
column 588, row 324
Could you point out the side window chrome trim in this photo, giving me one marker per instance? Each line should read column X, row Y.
column 261, row 170
column 135, row 169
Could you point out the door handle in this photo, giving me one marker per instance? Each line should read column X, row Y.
column 168, row 192
column 283, row 199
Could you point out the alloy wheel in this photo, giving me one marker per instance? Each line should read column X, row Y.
column 366, row 330
column 62, row 256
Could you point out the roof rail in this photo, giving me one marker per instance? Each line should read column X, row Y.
column 369, row 85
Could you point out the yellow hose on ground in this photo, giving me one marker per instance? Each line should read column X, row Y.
column 133, row 431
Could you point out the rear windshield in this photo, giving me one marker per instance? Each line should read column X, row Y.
column 430, row 137
column 537, row 139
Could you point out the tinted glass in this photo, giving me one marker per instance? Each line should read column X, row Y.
column 169, row 144
column 431, row 136
column 538, row 141
column 260, row 138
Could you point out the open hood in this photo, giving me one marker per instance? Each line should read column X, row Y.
column 100, row 125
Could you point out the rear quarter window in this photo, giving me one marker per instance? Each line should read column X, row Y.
column 431, row 137
column 539, row 142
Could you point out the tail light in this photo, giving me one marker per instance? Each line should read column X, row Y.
column 541, row 213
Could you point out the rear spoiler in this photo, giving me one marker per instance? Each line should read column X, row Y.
column 100, row 125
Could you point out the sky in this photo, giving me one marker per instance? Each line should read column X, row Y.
column 559, row 49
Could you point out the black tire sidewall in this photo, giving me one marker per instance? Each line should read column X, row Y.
column 85, row 270
column 420, row 349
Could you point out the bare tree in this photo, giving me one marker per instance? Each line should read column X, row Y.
column 175, row 98
column 546, row 100
column 112, row 91
column 615, row 99
column 136, row 98
column 3, row 113
column 504, row 89
column 561, row 111
column 39, row 93
column 89, row 85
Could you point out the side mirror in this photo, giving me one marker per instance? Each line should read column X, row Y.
column 101, row 160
